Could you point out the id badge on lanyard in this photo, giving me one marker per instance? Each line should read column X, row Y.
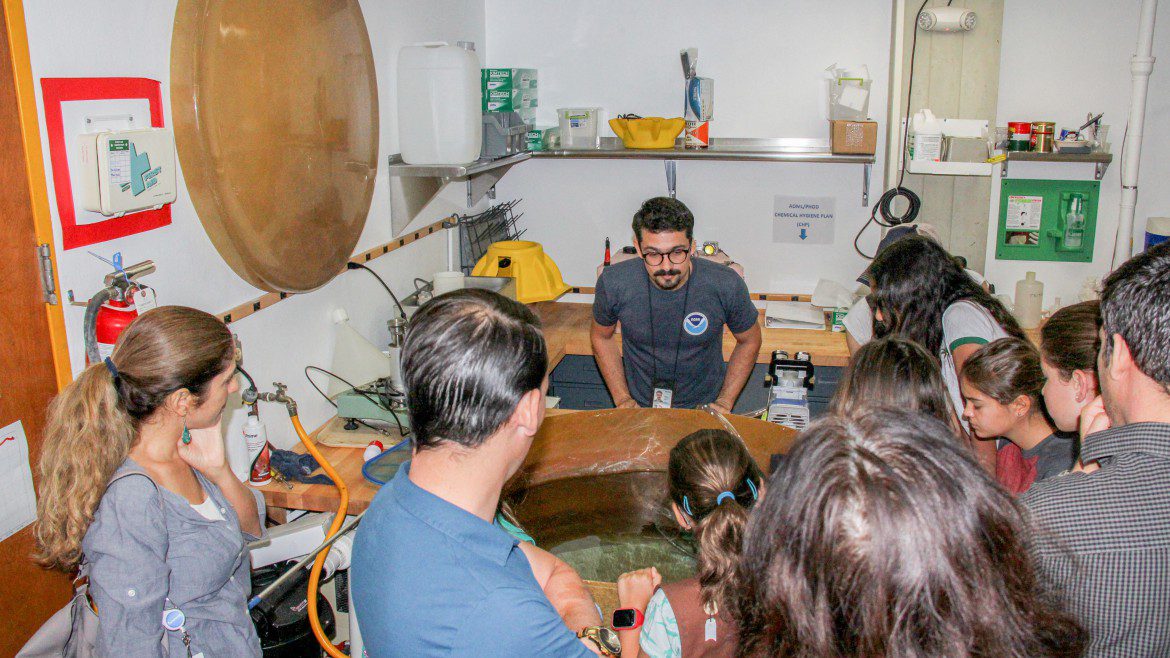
column 663, row 394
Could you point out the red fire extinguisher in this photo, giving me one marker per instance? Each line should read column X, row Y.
column 112, row 309
column 112, row 317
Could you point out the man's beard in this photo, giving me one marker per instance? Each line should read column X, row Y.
column 665, row 273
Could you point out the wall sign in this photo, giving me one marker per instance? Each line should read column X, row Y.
column 804, row 220
column 75, row 106
column 18, row 506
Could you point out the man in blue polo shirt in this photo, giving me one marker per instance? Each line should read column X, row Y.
column 433, row 574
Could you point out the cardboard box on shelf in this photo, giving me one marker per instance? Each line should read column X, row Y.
column 853, row 137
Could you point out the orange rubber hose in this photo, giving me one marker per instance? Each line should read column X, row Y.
column 338, row 519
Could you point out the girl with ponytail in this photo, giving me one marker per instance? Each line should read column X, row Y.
column 713, row 484
column 136, row 492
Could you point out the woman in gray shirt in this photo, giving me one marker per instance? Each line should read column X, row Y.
column 136, row 491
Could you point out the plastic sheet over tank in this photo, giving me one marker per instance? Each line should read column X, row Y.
column 597, row 480
column 275, row 105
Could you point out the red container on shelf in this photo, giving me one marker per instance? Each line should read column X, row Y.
column 1019, row 136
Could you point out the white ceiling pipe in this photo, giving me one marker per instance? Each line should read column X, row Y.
column 1140, row 66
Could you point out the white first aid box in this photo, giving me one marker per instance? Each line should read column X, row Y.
column 128, row 171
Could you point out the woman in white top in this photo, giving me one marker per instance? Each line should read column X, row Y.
column 921, row 293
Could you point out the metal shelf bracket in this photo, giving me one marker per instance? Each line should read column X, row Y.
column 412, row 187
column 865, row 184
column 671, row 177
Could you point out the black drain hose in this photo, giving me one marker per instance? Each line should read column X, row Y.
column 89, row 327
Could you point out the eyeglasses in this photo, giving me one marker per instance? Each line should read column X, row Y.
column 676, row 256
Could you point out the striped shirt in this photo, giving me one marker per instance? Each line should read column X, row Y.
column 1102, row 540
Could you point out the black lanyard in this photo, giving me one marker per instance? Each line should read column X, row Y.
column 653, row 338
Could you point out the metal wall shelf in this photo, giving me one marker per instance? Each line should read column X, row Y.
column 780, row 149
column 760, row 150
column 1099, row 160
column 413, row 186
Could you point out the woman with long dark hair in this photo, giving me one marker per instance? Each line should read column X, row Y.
column 1002, row 384
column 895, row 372
column 1069, row 342
column 921, row 293
column 136, row 491
column 881, row 537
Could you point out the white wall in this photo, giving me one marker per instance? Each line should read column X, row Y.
column 767, row 60
column 1048, row 74
column 132, row 39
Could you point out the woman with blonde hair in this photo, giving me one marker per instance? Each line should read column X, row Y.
column 136, row 491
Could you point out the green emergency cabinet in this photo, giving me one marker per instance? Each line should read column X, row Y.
column 1051, row 220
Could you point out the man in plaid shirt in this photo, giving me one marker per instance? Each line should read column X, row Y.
column 1103, row 536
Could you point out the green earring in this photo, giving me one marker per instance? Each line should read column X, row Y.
column 186, row 438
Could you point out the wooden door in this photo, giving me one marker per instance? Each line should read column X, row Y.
column 28, row 593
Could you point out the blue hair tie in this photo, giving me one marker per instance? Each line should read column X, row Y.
column 687, row 507
column 752, row 486
column 111, row 367
column 724, row 496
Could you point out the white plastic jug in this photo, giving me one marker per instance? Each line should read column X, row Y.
column 927, row 136
column 438, row 104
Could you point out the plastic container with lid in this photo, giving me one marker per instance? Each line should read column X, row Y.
column 579, row 126
column 439, row 118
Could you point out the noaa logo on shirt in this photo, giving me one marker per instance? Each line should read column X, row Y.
column 695, row 323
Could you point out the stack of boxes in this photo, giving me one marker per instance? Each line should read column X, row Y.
column 515, row 90
column 509, row 90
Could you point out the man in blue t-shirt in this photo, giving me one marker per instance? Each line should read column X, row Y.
column 433, row 573
column 672, row 308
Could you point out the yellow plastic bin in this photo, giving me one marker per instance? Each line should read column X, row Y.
column 647, row 133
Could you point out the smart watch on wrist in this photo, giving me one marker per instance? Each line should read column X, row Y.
column 605, row 639
column 627, row 619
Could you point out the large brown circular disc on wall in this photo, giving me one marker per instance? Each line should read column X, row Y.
column 275, row 106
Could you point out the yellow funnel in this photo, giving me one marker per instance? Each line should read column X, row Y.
column 537, row 277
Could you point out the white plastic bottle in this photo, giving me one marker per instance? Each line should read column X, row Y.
column 1029, row 301
column 256, row 436
column 927, row 136
column 237, row 455
column 439, row 104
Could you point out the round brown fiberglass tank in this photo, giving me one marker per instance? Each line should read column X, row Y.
column 593, row 489
column 275, row 106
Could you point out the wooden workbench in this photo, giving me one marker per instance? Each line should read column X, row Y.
column 566, row 330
